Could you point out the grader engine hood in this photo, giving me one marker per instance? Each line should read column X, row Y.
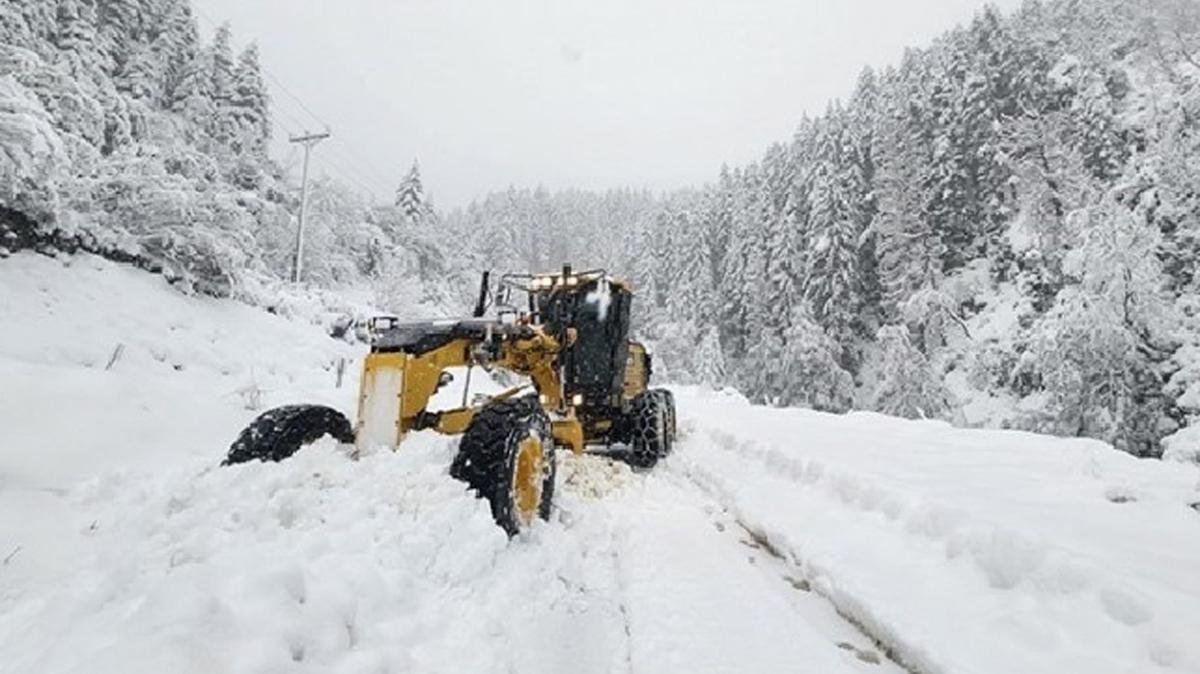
column 424, row 336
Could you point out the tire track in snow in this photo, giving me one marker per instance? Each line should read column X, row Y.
column 696, row 598
column 789, row 569
column 787, row 553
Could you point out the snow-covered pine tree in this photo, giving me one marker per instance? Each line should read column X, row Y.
column 1099, row 137
column 155, row 65
column 693, row 299
column 1051, row 181
column 785, row 273
column 785, row 231
column 76, row 37
column 831, row 277
column 909, row 248
column 709, row 368
column 994, row 91
column 740, row 281
column 863, row 129
column 759, row 212
column 248, row 105
column 29, row 24
column 194, row 96
column 648, row 307
column 718, row 221
column 410, row 195
column 945, row 184
column 222, row 63
column 177, row 42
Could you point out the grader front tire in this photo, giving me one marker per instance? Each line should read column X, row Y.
column 507, row 457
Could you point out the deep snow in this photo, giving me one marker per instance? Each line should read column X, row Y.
column 962, row 551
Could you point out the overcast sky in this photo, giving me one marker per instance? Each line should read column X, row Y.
column 595, row 94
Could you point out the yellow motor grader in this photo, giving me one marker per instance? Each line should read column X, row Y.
column 586, row 385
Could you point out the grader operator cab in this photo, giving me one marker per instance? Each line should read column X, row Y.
column 587, row 385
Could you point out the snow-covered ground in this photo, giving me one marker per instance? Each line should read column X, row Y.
column 126, row 549
column 966, row 550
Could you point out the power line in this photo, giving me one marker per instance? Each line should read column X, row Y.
column 370, row 188
column 370, row 191
column 294, row 97
column 363, row 159
column 294, row 122
column 380, row 184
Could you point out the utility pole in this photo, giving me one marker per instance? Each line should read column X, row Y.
column 309, row 140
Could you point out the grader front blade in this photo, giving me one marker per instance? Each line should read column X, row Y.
column 381, row 399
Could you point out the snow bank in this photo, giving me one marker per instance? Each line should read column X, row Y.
column 320, row 564
column 967, row 550
column 185, row 373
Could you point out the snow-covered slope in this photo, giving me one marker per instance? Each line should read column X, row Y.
column 185, row 370
column 959, row 551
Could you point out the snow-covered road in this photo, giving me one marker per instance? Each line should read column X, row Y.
column 386, row 564
column 953, row 550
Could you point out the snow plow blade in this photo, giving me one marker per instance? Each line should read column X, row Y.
column 380, row 401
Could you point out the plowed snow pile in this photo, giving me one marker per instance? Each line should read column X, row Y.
column 126, row 549
column 319, row 564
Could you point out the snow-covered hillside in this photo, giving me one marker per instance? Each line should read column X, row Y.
column 772, row 541
column 183, row 375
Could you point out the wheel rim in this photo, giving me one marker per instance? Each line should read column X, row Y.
column 527, row 480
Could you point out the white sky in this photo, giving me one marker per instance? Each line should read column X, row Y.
column 595, row 94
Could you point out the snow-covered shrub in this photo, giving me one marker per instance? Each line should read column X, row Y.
column 32, row 154
column 930, row 315
column 993, row 365
column 1183, row 445
column 809, row 373
column 1098, row 352
column 907, row 386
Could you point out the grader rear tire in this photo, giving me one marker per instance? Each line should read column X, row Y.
column 669, row 401
column 279, row 433
column 651, row 428
column 507, row 457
